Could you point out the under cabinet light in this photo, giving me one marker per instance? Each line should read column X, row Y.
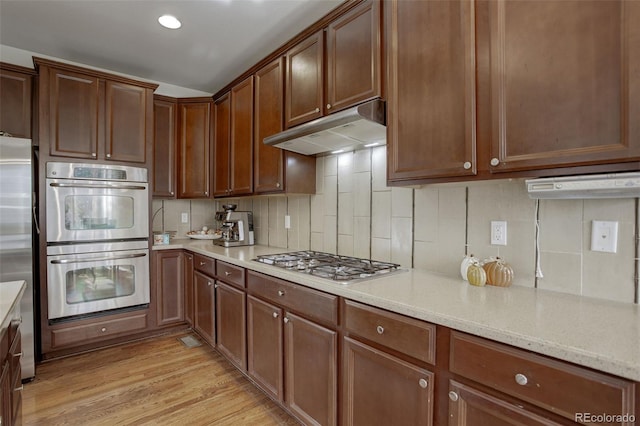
column 169, row 21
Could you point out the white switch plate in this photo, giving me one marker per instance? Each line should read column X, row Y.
column 185, row 217
column 287, row 222
column 604, row 236
column 499, row 232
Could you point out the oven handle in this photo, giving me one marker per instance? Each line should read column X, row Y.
column 97, row 259
column 88, row 185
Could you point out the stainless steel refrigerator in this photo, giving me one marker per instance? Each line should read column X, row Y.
column 16, row 242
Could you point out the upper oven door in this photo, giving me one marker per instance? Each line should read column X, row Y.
column 88, row 210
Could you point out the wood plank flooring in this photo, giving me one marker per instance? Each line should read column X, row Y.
column 151, row 382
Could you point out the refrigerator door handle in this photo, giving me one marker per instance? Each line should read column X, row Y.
column 33, row 211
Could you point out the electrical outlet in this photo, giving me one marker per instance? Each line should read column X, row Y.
column 185, row 217
column 287, row 222
column 499, row 232
column 604, row 236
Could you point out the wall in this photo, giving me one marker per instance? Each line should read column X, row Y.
column 354, row 213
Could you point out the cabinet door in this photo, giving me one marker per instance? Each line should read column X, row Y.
column 125, row 122
column 469, row 406
column 194, row 148
column 565, row 83
column 188, row 288
column 169, row 287
column 310, row 370
column 73, row 114
column 264, row 346
column 241, row 157
column 353, row 57
column 204, row 307
column 268, row 160
column 431, row 89
column 164, row 149
column 369, row 374
column 15, row 103
column 231, row 336
column 304, row 81
column 221, row 142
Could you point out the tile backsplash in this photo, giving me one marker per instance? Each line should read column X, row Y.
column 354, row 213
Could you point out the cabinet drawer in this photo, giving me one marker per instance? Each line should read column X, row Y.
column 231, row 274
column 97, row 330
column 557, row 386
column 406, row 335
column 204, row 264
column 311, row 303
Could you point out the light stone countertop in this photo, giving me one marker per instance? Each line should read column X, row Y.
column 10, row 295
column 594, row 333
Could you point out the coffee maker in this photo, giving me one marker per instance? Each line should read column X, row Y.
column 236, row 227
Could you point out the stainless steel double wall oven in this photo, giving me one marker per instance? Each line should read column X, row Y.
column 97, row 238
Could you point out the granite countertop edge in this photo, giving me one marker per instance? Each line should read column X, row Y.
column 594, row 333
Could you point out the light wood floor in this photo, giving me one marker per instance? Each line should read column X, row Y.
column 151, row 382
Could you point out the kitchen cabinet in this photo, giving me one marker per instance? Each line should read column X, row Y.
column 169, row 283
column 369, row 372
column 10, row 371
column 194, row 148
column 90, row 115
column 565, row 89
column 353, row 66
column 16, row 85
column 234, row 141
column 431, row 108
column 301, row 318
column 188, row 288
column 231, row 324
column 165, row 112
column 276, row 170
column 204, row 307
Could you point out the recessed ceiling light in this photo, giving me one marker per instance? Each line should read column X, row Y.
column 169, row 21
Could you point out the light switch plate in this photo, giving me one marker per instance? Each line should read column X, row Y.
column 604, row 236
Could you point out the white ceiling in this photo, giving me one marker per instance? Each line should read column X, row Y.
column 219, row 39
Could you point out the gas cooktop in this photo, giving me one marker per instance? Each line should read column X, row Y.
column 344, row 269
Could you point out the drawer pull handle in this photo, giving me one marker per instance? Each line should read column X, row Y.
column 203, row 263
column 19, row 389
column 275, row 315
column 280, row 293
column 103, row 329
column 453, row 396
column 227, row 273
column 380, row 329
column 286, row 320
column 216, row 286
column 17, row 355
column 521, row 379
column 423, row 383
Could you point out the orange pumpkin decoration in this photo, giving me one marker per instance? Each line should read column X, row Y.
column 499, row 273
column 476, row 275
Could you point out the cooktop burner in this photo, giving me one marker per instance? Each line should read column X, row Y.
column 344, row 269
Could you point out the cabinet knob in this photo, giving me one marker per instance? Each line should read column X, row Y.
column 495, row 161
column 209, row 283
column 275, row 315
column 280, row 293
column 203, row 263
column 453, row 396
column 206, row 192
column 93, row 154
column 216, row 286
column 171, row 193
column 278, row 185
column 521, row 379
column 103, row 329
column 317, row 109
column 423, row 383
column 227, row 273
column 328, row 106
column 380, row 329
column 467, row 165
column 108, row 155
column 286, row 320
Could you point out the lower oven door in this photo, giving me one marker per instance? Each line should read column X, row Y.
column 84, row 283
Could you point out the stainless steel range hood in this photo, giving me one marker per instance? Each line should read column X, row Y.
column 614, row 185
column 359, row 127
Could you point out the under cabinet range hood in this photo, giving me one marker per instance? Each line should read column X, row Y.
column 359, row 127
column 614, row 185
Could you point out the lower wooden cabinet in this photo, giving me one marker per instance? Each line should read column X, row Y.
column 378, row 388
column 204, row 321
column 11, row 372
column 169, row 277
column 469, row 406
column 231, row 324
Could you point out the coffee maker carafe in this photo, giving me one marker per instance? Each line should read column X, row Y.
column 236, row 227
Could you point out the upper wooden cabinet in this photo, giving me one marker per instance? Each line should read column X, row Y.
column 194, row 147
column 353, row 66
column 15, row 100
column 164, row 147
column 86, row 114
column 431, row 89
column 565, row 83
column 233, row 141
column 276, row 170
